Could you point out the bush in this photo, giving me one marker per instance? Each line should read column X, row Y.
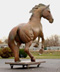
column 45, row 48
column 22, row 53
column 0, row 52
column 6, row 53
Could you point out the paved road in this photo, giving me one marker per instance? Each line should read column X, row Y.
column 51, row 65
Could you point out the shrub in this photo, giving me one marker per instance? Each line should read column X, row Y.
column 45, row 48
column 6, row 53
column 22, row 53
column 0, row 52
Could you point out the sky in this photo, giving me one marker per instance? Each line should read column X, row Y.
column 14, row 12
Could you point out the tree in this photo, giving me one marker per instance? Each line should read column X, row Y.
column 6, row 41
column 52, row 41
column 1, row 42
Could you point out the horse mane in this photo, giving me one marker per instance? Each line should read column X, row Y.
column 35, row 7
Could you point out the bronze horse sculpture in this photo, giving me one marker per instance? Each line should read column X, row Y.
column 28, row 32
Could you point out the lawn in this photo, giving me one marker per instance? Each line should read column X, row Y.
column 46, row 55
column 49, row 54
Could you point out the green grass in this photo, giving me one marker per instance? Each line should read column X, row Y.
column 45, row 55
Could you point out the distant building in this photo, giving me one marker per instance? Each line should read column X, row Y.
column 32, row 46
column 23, row 46
column 53, row 48
column 3, row 45
column 35, row 48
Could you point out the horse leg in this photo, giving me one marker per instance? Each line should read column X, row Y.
column 42, row 42
column 37, row 44
column 42, row 46
column 18, row 44
column 14, row 49
column 27, row 45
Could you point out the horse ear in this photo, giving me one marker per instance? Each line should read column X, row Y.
column 47, row 6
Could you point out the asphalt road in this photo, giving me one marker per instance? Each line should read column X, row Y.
column 51, row 65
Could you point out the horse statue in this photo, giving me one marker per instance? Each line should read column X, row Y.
column 28, row 32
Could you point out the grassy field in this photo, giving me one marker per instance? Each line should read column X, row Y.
column 46, row 55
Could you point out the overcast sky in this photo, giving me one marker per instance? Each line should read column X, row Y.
column 14, row 12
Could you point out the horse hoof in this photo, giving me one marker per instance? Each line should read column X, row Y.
column 33, row 60
column 41, row 51
column 18, row 61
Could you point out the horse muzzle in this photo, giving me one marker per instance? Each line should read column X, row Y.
column 51, row 20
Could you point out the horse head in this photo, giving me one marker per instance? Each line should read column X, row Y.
column 47, row 14
column 43, row 11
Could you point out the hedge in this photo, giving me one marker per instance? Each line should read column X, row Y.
column 6, row 53
column 22, row 53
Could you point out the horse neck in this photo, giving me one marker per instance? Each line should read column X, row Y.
column 35, row 19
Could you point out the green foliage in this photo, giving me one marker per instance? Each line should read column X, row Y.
column 45, row 48
column 6, row 53
column 0, row 52
column 46, row 53
column 22, row 53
